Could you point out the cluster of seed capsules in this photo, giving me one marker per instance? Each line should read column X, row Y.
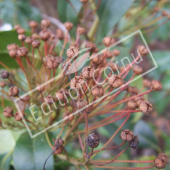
column 78, row 82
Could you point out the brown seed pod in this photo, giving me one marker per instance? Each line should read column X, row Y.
column 72, row 52
column 134, row 143
column 2, row 84
column 20, row 30
column 116, row 52
column 89, row 72
column 114, row 67
column 4, row 74
column 13, row 91
column 146, row 83
column 26, row 98
column 115, row 81
column 91, row 46
column 81, row 103
column 21, row 37
column 58, row 142
column 77, row 82
column 161, row 161
column 109, row 54
column 97, row 91
column 137, row 70
column 138, row 100
column 13, row 53
column 36, row 43
column 143, row 51
column 40, row 88
column 145, row 107
column 49, row 99
column 127, row 135
column 164, row 157
column 156, row 85
column 12, row 47
column 58, row 151
column 96, row 58
column 8, row 112
column 68, row 25
column 45, row 23
column 131, row 105
column 16, row 26
column 35, row 36
column 107, row 41
column 18, row 116
column 22, row 51
column 81, row 30
column 61, row 94
column 132, row 90
column 60, row 34
column 92, row 140
column 28, row 40
column 70, row 118
column 45, row 35
column 33, row 24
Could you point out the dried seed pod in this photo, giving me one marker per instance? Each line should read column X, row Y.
column 92, row 140
column 134, row 143
column 156, row 85
column 16, row 26
column 18, row 116
column 116, row 52
column 77, row 82
column 12, row 47
column 8, row 112
column 81, row 103
column 161, row 161
column 137, row 70
column 49, row 99
column 70, row 118
column 145, row 107
column 114, row 67
column 131, row 105
column 21, row 37
column 26, row 98
column 45, row 23
column 115, row 81
column 81, row 30
column 68, row 25
column 109, row 54
column 72, row 52
column 146, row 83
column 35, row 36
column 13, row 53
column 91, row 46
column 97, row 91
column 33, row 24
column 96, row 58
column 35, row 43
column 58, row 142
column 22, row 51
column 132, row 90
column 164, row 157
column 4, row 74
column 143, row 51
column 45, row 35
column 28, row 40
column 58, row 151
column 138, row 100
column 2, row 84
column 61, row 94
column 59, row 34
column 107, row 41
column 89, row 72
column 40, row 88
column 20, row 30
column 127, row 135
column 13, row 91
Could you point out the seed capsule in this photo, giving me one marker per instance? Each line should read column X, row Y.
column 127, row 135
column 21, row 37
column 35, row 43
column 59, row 34
column 115, row 81
column 61, row 94
column 109, row 54
column 18, row 116
column 33, row 24
column 131, row 105
column 143, row 51
column 161, row 161
column 116, row 52
column 8, row 112
column 45, row 35
column 97, row 91
column 13, row 53
column 96, row 58
column 49, row 99
column 20, row 30
column 58, row 142
column 91, row 46
column 22, row 51
column 92, row 140
column 26, row 98
column 81, row 103
column 72, row 52
column 77, row 82
column 13, row 91
column 114, row 67
column 107, row 41
column 12, row 47
column 80, row 30
column 16, row 26
column 146, row 83
column 156, row 85
column 137, row 70
column 68, row 25
column 145, row 107
column 70, row 118
column 45, row 23
column 2, row 84
column 4, row 74
column 58, row 151
column 89, row 72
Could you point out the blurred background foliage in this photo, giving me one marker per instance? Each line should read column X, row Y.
column 117, row 18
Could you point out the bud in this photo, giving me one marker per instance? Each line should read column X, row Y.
column 145, row 107
column 13, row 91
column 116, row 52
column 92, row 140
column 59, row 150
column 137, row 70
column 156, row 85
column 114, row 67
column 70, row 118
column 8, row 112
column 81, row 30
column 60, row 95
column 146, row 83
column 127, row 135
column 138, row 100
column 28, row 40
column 4, row 74
column 16, row 26
column 96, row 58
column 91, row 46
column 35, row 36
column 97, row 91
column 72, row 52
column 143, row 51
column 12, row 47
column 77, row 82
column 22, row 51
column 131, row 105
column 13, row 53
column 107, row 41
column 81, row 103
column 21, row 37
column 109, row 54
column 18, row 116
column 26, row 98
column 161, row 161
column 49, row 99
column 115, row 81
column 164, row 157
column 89, row 72
column 58, row 142
column 45, row 35
column 33, row 24
column 59, row 34
column 68, row 25
column 2, row 84
column 45, row 24
column 20, row 30
column 35, row 43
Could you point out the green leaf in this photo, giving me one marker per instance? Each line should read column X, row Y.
column 30, row 154
column 110, row 12
column 5, row 160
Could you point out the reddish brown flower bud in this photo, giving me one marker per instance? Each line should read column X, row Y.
column 72, row 52
column 92, row 140
column 89, row 72
column 156, row 85
column 8, row 112
column 49, row 99
column 33, row 24
column 127, row 135
column 91, row 46
column 114, row 67
column 35, row 36
column 96, row 58
column 116, row 52
column 2, row 84
column 115, row 81
column 107, row 41
column 45, row 23
column 132, row 90
column 138, row 100
column 58, row 151
column 70, row 118
column 161, row 161
column 20, row 30
column 59, row 34
column 58, row 142
column 143, row 51
column 97, row 91
column 21, row 37
column 18, row 116
column 145, row 107
column 22, row 51
column 81, row 30
column 40, row 88
column 131, row 105
column 13, row 91
column 77, row 82
column 35, row 43
column 134, row 143
column 68, row 25
column 13, row 53
column 137, row 70
column 81, row 103
column 12, row 47
column 109, row 54
column 61, row 94
column 4, row 74
column 28, row 40
column 45, row 35
column 146, row 83
column 16, row 26
column 164, row 157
